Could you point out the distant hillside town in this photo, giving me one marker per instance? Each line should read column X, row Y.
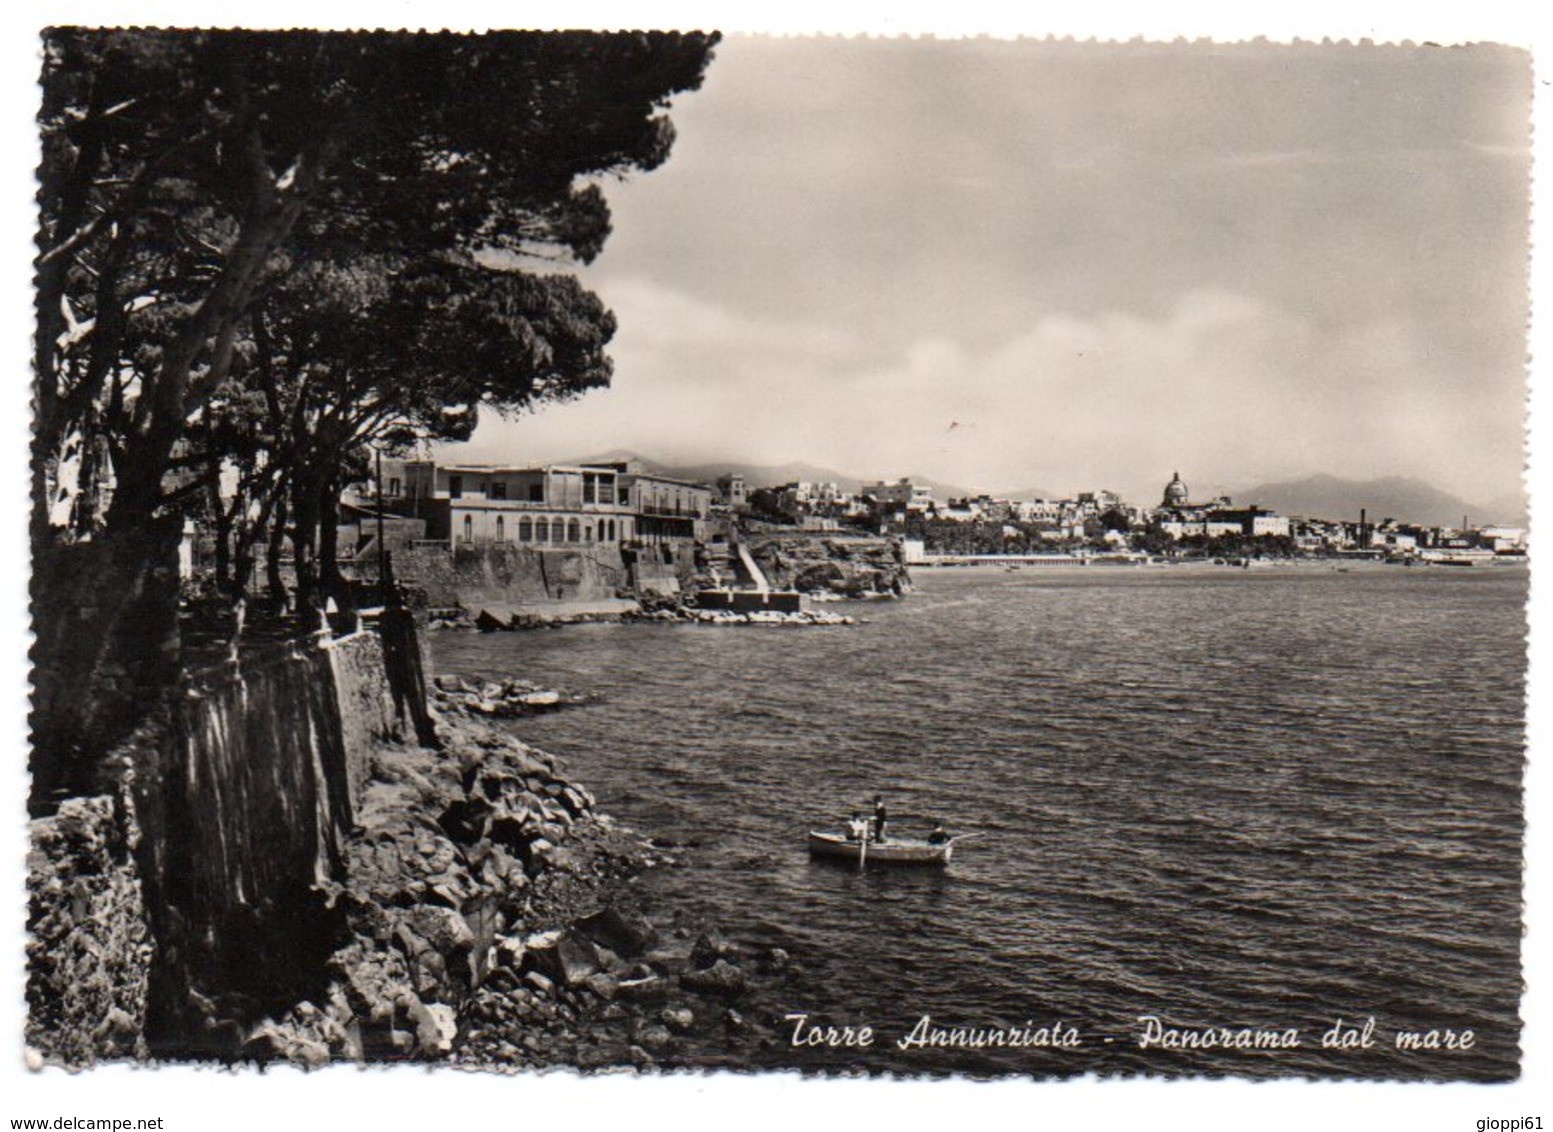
column 429, row 505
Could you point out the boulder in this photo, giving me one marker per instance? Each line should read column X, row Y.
column 709, row 948
column 441, row 927
column 644, row 989
column 508, row 951
column 436, row 1025
column 488, row 622
column 677, row 1018
column 721, row 978
column 654, row 1037
column 602, row 985
column 626, row 933
column 567, row 960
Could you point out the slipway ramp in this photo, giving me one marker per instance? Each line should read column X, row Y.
column 756, row 575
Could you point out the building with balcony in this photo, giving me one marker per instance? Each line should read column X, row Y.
column 900, row 494
column 573, row 505
column 557, row 504
column 662, row 509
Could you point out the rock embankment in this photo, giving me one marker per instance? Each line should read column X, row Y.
column 489, row 923
column 613, row 989
column 846, row 566
column 507, row 698
column 729, row 617
column 88, row 939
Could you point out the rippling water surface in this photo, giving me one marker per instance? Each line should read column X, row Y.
column 1220, row 797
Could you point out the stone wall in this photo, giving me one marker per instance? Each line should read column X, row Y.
column 221, row 844
column 366, row 705
column 506, row 575
column 247, row 796
column 106, row 644
column 649, row 573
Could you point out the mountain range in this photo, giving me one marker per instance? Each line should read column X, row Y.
column 1398, row 497
column 768, row 475
column 1317, row 496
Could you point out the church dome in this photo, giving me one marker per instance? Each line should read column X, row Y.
column 1175, row 492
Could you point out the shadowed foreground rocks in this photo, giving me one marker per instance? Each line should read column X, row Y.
column 89, row 941
column 490, row 924
column 474, row 906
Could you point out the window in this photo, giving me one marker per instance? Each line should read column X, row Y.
column 498, row 489
column 573, row 532
column 456, row 488
column 501, row 529
column 393, row 485
column 587, row 532
column 469, row 528
column 542, row 530
column 536, row 493
column 525, row 530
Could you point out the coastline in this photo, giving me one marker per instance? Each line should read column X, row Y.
column 1331, row 565
column 492, row 925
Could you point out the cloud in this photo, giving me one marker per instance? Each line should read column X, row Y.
column 1225, row 387
column 1099, row 263
column 663, row 318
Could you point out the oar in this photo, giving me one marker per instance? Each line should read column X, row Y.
column 862, row 852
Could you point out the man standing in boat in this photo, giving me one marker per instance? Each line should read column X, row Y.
column 881, row 816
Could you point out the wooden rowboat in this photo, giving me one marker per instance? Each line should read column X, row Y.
column 895, row 851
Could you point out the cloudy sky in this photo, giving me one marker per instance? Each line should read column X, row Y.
column 1017, row 265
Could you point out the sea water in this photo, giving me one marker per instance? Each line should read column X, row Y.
column 1214, row 804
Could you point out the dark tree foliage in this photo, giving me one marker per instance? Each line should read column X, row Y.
column 379, row 352
column 186, row 173
column 261, row 250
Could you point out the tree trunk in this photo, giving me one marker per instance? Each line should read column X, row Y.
column 304, row 544
column 222, row 521
column 335, row 584
column 170, row 395
column 274, row 578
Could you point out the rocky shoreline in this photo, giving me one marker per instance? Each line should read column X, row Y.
column 488, row 922
column 650, row 609
column 802, row 617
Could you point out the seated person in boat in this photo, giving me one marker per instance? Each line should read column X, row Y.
column 939, row 836
column 857, row 828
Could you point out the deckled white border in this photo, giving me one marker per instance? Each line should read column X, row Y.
column 347, row 1097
